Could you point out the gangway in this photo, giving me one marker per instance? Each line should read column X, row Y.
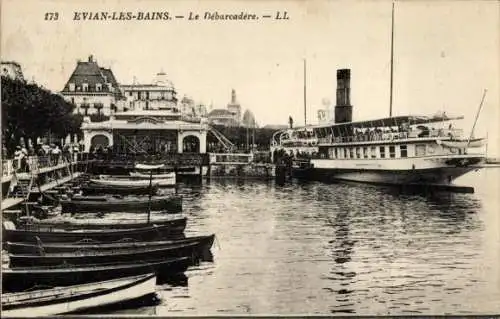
column 226, row 143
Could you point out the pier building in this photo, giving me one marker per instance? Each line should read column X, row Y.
column 146, row 132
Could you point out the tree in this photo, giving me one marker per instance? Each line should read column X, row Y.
column 30, row 112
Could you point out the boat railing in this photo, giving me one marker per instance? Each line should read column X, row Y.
column 380, row 136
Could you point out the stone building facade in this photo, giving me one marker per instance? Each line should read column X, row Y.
column 93, row 89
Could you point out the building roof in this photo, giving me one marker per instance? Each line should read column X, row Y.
column 249, row 119
column 90, row 73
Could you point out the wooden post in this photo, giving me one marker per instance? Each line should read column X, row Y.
column 150, row 194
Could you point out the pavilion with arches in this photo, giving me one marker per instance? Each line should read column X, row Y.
column 153, row 132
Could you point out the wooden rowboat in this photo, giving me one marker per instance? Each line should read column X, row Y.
column 149, row 167
column 110, row 204
column 121, row 180
column 74, row 224
column 91, row 245
column 19, row 279
column 78, row 298
column 170, row 175
column 86, row 257
column 172, row 229
column 93, row 188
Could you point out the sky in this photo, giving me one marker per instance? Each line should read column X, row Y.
column 445, row 53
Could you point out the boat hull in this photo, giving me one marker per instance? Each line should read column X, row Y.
column 123, row 180
column 19, row 279
column 81, row 257
column 33, row 249
column 81, row 297
column 173, row 229
column 170, row 175
column 171, row 204
column 99, row 224
column 93, row 189
column 423, row 171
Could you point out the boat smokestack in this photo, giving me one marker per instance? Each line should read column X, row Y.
column 343, row 108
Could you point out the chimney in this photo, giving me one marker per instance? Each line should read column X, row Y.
column 91, row 58
column 343, row 107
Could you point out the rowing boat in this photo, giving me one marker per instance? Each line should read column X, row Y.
column 92, row 245
column 36, row 234
column 93, row 188
column 19, row 279
column 77, row 298
column 122, row 180
column 111, row 204
column 74, row 224
column 85, row 257
column 170, row 175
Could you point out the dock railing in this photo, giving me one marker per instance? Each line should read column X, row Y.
column 35, row 164
column 7, row 167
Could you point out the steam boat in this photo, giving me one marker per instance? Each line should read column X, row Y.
column 393, row 150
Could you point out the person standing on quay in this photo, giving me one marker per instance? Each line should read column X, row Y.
column 56, row 152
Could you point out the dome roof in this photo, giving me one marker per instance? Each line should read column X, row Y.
column 248, row 119
column 162, row 80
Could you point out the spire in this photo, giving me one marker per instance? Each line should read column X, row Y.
column 233, row 96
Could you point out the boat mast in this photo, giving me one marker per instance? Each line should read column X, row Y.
column 392, row 61
column 475, row 120
column 305, row 94
column 150, row 194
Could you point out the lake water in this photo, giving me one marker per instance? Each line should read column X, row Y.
column 313, row 248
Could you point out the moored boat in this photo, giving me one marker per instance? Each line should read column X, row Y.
column 121, row 180
column 19, row 279
column 84, row 257
column 92, row 245
column 397, row 150
column 93, row 188
column 46, row 235
column 75, row 224
column 77, row 298
column 170, row 175
column 110, row 204
column 393, row 150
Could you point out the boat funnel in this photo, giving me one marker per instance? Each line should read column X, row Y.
column 343, row 108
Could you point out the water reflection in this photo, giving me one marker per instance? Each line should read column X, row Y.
column 342, row 275
column 314, row 248
column 172, row 280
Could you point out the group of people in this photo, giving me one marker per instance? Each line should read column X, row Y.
column 46, row 154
